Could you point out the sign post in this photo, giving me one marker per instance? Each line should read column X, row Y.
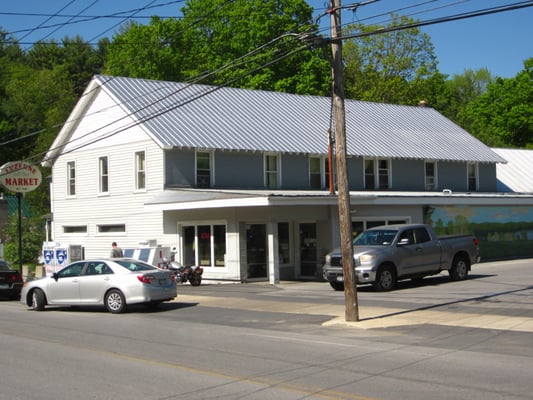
column 20, row 177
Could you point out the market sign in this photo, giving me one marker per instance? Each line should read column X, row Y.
column 20, row 177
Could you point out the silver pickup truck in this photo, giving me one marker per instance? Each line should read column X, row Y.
column 385, row 254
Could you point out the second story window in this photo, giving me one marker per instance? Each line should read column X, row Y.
column 71, row 178
column 140, row 170
column 203, row 169
column 472, row 177
column 315, row 174
column 431, row 175
column 377, row 174
column 318, row 172
column 104, row 174
column 271, row 171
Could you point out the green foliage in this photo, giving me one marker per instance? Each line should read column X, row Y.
column 153, row 51
column 264, row 32
column 503, row 115
column 382, row 67
column 33, row 236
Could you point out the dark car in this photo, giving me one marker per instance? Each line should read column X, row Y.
column 10, row 281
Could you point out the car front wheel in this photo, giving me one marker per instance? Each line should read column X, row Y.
column 37, row 300
column 115, row 301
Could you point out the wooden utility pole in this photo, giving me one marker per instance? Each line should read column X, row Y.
column 350, row 289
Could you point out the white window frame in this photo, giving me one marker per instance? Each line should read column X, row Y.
column 71, row 178
column 475, row 166
column 268, row 173
column 430, row 182
column 376, row 173
column 140, row 171
column 195, row 224
column 211, row 168
column 323, row 171
column 81, row 230
column 111, row 229
column 102, row 176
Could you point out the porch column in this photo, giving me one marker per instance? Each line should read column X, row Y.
column 273, row 253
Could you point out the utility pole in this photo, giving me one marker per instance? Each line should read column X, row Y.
column 350, row 289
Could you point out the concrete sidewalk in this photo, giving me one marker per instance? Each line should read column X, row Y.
column 498, row 295
column 369, row 317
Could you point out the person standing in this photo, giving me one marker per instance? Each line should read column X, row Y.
column 116, row 252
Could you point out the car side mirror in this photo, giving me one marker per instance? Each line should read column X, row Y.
column 55, row 276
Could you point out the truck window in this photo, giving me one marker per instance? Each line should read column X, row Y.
column 422, row 235
column 408, row 235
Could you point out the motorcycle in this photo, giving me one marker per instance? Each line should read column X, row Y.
column 184, row 273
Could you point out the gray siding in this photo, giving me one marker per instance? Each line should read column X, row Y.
column 238, row 170
column 245, row 171
column 355, row 173
column 487, row 178
column 179, row 168
column 408, row 175
column 452, row 175
column 295, row 172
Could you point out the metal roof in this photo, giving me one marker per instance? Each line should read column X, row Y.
column 208, row 117
column 515, row 176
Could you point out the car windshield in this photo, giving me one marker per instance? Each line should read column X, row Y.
column 135, row 265
column 377, row 237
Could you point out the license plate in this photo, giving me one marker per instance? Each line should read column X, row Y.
column 162, row 282
column 340, row 278
column 4, row 285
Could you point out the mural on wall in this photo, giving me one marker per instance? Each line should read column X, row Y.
column 503, row 232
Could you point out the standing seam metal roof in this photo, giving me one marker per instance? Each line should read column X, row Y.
column 209, row 117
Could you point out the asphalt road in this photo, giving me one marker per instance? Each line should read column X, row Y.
column 438, row 340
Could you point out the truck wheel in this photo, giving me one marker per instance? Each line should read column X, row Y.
column 385, row 279
column 339, row 286
column 460, row 268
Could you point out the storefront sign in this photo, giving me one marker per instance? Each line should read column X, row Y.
column 20, row 177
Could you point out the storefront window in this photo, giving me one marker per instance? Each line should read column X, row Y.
column 204, row 245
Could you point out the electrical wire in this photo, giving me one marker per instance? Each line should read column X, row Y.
column 48, row 19
column 378, row 31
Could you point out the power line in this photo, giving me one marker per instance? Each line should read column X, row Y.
column 472, row 14
column 48, row 19
column 182, row 102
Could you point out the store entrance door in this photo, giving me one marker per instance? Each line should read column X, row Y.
column 256, row 251
column 308, row 251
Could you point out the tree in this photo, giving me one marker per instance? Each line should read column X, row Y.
column 242, row 43
column 33, row 237
column 465, row 88
column 503, row 116
column 380, row 67
column 153, row 51
column 76, row 59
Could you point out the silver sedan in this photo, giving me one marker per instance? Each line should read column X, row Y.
column 113, row 283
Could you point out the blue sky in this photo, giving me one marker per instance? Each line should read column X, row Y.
column 499, row 42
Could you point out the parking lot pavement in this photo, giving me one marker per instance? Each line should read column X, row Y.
column 484, row 301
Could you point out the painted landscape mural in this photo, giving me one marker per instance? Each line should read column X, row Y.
column 503, row 232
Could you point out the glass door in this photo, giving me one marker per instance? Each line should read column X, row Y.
column 256, row 251
column 308, row 253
